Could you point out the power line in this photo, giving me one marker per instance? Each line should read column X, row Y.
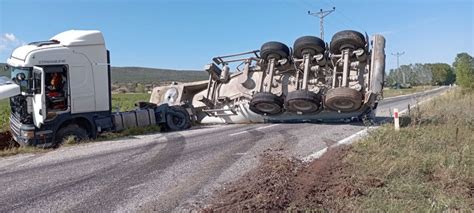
column 398, row 54
column 342, row 18
column 321, row 14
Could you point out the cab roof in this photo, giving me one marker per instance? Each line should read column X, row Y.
column 79, row 38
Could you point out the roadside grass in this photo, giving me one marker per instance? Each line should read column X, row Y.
column 126, row 101
column 4, row 115
column 15, row 150
column 426, row 166
column 117, row 135
column 389, row 92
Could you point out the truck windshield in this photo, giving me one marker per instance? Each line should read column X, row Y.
column 22, row 77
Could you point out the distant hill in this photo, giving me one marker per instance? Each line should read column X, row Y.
column 145, row 75
column 152, row 75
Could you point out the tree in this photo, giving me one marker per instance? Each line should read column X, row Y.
column 464, row 67
column 442, row 74
column 415, row 74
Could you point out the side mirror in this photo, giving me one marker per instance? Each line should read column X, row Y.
column 20, row 76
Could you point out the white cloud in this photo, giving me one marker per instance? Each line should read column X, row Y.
column 8, row 42
column 10, row 37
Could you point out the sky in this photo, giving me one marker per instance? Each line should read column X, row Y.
column 187, row 34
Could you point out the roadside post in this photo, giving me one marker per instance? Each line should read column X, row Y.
column 396, row 119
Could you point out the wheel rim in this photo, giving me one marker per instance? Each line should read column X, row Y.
column 303, row 105
column 178, row 121
column 343, row 104
column 267, row 107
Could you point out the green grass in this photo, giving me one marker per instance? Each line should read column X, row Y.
column 426, row 166
column 4, row 115
column 126, row 101
column 389, row 92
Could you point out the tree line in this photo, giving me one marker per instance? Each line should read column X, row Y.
column 461, row 73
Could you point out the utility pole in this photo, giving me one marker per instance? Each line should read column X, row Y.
column 398, row 54
column 321, row 14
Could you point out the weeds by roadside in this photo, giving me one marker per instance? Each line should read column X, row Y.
column 428, row 165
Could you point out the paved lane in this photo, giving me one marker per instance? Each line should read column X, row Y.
column 161, row 172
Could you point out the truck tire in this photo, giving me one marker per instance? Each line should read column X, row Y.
column 274, row 49
column 346, row 39
column 343, row 99
column 72, row 130
column 303, row 101
column 177, row 118
column 266, row 103
column 308, row 44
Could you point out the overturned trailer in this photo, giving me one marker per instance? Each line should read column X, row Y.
column 313, row 81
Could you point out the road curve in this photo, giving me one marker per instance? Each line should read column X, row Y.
column 161, row 172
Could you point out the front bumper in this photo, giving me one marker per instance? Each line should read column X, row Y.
column 28, row 134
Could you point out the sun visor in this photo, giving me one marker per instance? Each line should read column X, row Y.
column 8, row 88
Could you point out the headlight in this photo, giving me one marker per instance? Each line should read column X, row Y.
column 27, row 134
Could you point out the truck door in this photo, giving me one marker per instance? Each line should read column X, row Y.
column 39, row 97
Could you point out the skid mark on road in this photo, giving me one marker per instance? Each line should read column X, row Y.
column 23, row 198
column 205, row 175
column 126, row 186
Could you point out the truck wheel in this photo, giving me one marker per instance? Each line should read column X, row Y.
column 71, row 131
column 308, row 44
column 343, row 99
column 274, row 49
column 266, row 103
column 347, row 39
column 303, row 101
column 177, row 118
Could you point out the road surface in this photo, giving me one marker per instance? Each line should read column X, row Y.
column 161, row 172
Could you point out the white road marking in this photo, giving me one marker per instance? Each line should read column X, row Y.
column 247, row 131
column 238, row 133
column 264, row 127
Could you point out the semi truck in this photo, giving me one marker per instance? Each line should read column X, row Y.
column 61, row 88
column 313, row 81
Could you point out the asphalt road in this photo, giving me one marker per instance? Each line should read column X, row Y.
column 160, row 172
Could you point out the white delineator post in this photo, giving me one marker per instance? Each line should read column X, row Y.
column 396, row 119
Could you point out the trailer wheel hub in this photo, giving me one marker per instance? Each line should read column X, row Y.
column 303, row 101
column 266, row 103
column 267, row 107
column 303, row 105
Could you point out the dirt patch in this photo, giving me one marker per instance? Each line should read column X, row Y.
column 6, row 141
column 281, row 184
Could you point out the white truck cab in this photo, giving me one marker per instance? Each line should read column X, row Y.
column 60, row 88
column 63, row 83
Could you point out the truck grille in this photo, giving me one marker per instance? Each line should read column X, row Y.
column 14, row 125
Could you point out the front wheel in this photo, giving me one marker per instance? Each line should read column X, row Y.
column 71, row 133
column 177, row 118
